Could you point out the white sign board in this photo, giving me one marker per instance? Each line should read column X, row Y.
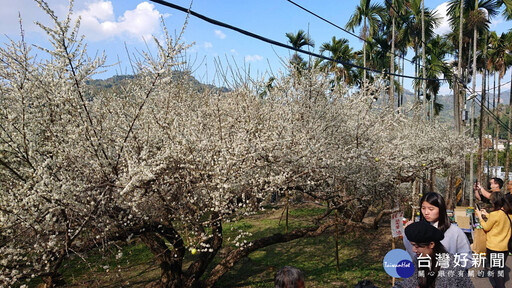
column 397, row 226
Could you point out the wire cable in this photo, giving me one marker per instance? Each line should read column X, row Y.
column 344, row 30
column 477, row 97
column 273, row 42
column 320, row 17
column 487, row 92
column 494, row 116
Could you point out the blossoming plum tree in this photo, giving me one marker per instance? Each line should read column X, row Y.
column 160, row 160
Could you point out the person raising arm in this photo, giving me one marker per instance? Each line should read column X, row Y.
column 498, row 230
column 495, row 184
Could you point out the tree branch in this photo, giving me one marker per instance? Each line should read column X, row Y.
column 234, row 256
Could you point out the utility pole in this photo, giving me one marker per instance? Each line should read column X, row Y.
column 475, row 37
column 457, row 96
column 423, row 57
column 392, row 68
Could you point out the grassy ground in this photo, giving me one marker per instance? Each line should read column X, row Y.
column 361, row 254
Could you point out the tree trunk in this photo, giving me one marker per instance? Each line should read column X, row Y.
column 171, row 274
column 497, row 124
column 449, row 195
column 475, row 38
column 392, row 66
column 53, row 280
column 481, row 131
column 402, row 90
column 507, row 153
column 355, row 210
column 432, row 180
column 482, row 119
column 494, row 112
column 416, row 72
column 424, row 82
column 364, row 53
column 458, row 95
column 234, row 256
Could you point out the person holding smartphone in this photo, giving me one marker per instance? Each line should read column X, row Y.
column 433, row 211
column 498, row 230
column 484, row 213
column 481, row 194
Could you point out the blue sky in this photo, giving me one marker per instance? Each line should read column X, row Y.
column 109, row 25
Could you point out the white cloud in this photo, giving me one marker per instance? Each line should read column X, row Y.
column 219, row 34
column 444, row 25
column 99, row 23
column 102, row 10
column 208, row 45
column 233, row 51
column 253, row 58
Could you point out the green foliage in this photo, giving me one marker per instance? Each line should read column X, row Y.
column 314, row 256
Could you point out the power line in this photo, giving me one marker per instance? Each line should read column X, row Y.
column 477, row 96
column 501, row 85
column 494, row 116
column 342, row 29
column 320, row 17
column 273, row 42
column 487, row 92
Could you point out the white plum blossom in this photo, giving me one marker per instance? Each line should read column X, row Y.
column 164, row 161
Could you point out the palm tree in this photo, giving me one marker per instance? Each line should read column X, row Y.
column 340, row 51
column 299, row 40
column 498, row 60
column 475, row 19
column 413, row 32
column 438, row 50
column 482, row 66
column 377, row 49
column 507, row 13
column 472, row 11
column 456, row 19
column 370, row 15
column 402, row 40
column 459, row 70
column 396, row 10
column 475, row 16
column 423, row 55
column 392, row 61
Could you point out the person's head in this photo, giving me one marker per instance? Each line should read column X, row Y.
column 509, row 186
column 433, row 209
column 425, row 238
column 497, row 200
column 496, row 184
column 289, row 277
column 508, row 203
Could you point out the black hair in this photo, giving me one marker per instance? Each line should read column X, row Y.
column 289, row 277
column 499, row 181
column 508, row 203
column 437, row 200
column 429, row 279
column 497, row 200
